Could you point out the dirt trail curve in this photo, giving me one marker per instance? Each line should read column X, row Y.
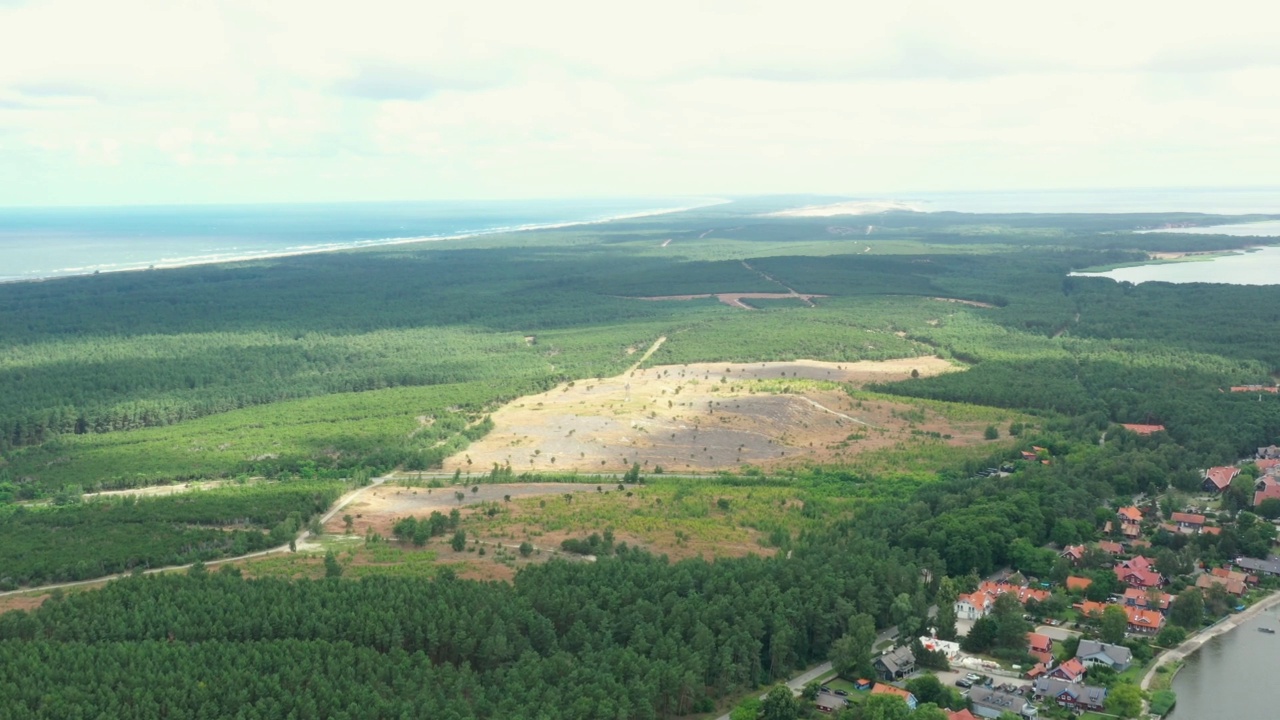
column 302, row 538
column 1194, row 642
column 647, row 354
column 775, row 281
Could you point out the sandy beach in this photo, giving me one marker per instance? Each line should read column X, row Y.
column 852, row 207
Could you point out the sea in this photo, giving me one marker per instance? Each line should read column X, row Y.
column 42, row 243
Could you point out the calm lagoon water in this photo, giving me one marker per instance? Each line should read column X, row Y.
column 1232, row 675
column 1257, row 267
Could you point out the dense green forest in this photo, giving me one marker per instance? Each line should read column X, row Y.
column 110, row 535
column 324, row 368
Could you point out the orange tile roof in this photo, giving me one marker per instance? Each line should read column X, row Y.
column 1038, row 641
column 1078, row 583
column 1145, row 619
column 1189, row 518
column 1089, row 608
column 961, row 715
column 1130, row 513
column 1070, row 670
column 1113, row 548
column 1221, row 476
column 884, row 689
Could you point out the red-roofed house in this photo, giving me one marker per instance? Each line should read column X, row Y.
column 1268, row 488
column 1146, row 622
column 1111, row 548
column 1188, row 523
column 1142, row 429
column 1266, row 464
column 974, row 605
column 1139, row 573
column 961, row 715
column 1130, row 521
column 1074, row 553
column 886, row 689
column 1090, row 609
column 1040, row 647
column 1232, row 585
column 1217, row 479
column 1143, row 599
column 1072, row 671
column 1078, row 583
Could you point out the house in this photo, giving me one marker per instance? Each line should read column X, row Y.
column 1147, row 599
column 974, row 605
column 1231, row 585
column 979, row 602
column 1070, row 695
column 1230, row 574
column 1270, row 566
column 1270, row 452
column 1188, row 523
column 1078, row 583
column 1040, row 646
column 1073, row 553
column 1267, row 488
column 960, row 715
column 991, row 703
column 1142, row 429
column 884, row 689
column 1130, row 521
column 1217, row 479
column 1110, row 548
column 1092, row 653
column 1139, row 572
column 1146, row 622
column 1072, row 671
column 1267, row 465
column 896, row 663
column 1091, row 609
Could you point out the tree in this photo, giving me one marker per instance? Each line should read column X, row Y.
column 903, row 614
column 982, row 635
column 349, row 523
column 1113, row 625
column 810, row 691
column 1187, row 609
column 460, row 496
column 928, row 711
column 851, row 653
column 1124, row 700
column 1171, row 636
column 459, row 541
column 332, row 568
column 748, row 709
column 885, row 707
column 780, row 704
column 526, row 549
column 944, row 622
column 991, row 433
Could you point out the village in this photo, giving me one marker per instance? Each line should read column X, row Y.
column 1086, row 640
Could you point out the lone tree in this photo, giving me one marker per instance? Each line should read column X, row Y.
column 349, row 523
column 1114, row 623
column 459, row 541
column 331, row 567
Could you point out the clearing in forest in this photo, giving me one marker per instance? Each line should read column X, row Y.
column 713, row 416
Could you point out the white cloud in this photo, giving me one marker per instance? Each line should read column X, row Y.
column 298, row 100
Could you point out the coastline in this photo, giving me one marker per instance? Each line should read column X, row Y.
column 364, row 244
column 1195, row 642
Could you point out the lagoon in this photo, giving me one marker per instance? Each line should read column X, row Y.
column 1260, row 266
column 1232, row 675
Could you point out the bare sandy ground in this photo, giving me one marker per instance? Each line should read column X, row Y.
column 855, row 207
column 160, row 490
column 702, row 417
column 736, row 299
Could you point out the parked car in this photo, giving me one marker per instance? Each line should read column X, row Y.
column 842, row 693
column 962, row 683
column 824, row 688
column 973, row 677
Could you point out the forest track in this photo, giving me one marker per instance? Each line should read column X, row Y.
column 647, row 354
column 302, row 538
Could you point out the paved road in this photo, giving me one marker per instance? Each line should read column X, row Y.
column 338, row 506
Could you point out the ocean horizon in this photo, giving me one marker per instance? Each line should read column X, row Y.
column 46, row 243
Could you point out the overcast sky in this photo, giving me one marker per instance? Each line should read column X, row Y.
column 158, row 101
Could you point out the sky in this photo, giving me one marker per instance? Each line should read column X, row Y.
column 194, row 101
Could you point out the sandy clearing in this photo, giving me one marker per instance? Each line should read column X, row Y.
column 735, row 299
column 970, row 303
column 703, row 417
column 852, row 207
column 160, row 490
